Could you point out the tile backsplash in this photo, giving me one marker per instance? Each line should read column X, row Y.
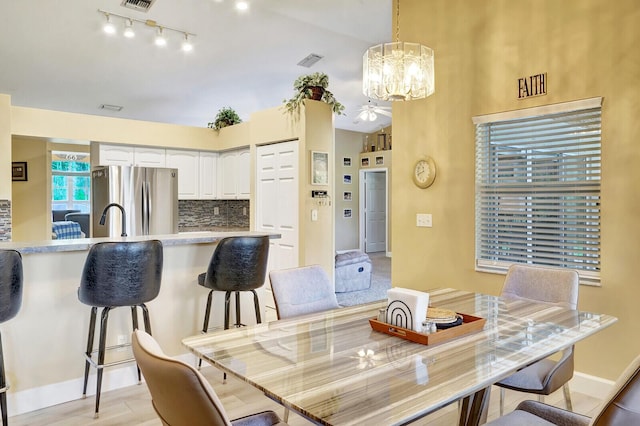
column 5, row 220
column 199, row 215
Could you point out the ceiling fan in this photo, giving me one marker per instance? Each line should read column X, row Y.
column 370, row 111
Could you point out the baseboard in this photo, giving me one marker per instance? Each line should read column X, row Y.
column 57, row 393
column 593, row 386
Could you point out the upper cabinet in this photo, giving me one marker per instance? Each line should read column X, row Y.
column 234, row 174
column 149, row 157
column 125, row 155
column 188, row 165
column 208, row 175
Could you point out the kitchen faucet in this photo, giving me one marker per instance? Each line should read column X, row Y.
column 124, row 217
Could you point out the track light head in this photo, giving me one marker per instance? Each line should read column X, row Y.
column 160, row 39
column 186, row 44
column 128, row 29
column 108, row 26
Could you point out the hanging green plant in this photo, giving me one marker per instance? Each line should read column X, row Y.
column 312, row 86
column 226, row 116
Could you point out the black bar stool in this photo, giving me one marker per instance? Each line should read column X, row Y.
column 10, row 302
column 237, row 264
column 117, row 274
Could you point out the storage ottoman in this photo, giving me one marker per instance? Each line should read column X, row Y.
column 353, row 271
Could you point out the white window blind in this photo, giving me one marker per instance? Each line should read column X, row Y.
column 538, row 188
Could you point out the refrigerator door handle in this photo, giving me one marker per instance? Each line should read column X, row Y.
column 147, row 209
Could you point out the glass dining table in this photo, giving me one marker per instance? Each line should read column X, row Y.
column 334, row 369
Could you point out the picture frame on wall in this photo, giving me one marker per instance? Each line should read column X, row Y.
column 346, row 213
column 380, row 161
column 364, row 162
column 346, row 179
column 19, row 171
column 347, row 196
column 319, row 168
column 346, row 161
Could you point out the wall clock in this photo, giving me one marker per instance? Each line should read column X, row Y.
column 424, row 172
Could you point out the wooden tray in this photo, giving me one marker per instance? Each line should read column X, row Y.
column 470, row 324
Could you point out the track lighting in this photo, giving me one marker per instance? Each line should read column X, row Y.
column 108, row 27
column 160, row 40
column 242, row 5
column 128, row 29
column 162, row 31
column 186, row 44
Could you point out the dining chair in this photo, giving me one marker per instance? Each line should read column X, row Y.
column 180, row 395
column 552, row 286
column 619, row 408
column 302, row 290
column 299, row 291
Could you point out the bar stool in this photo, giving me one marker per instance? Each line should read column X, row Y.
column 10, row 302
column 117, row 274
column 237, row 264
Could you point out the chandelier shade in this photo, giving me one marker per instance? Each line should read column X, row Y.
column 398, row 71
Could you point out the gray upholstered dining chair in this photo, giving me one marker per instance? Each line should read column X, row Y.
column 619, row 408
column 553, row 286
column 180, row 395
column 303, row 290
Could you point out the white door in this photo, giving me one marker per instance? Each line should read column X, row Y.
column 277, row 207
column 375, row 213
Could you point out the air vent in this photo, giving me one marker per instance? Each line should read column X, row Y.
column 310, row 60
column 139, row 5
column 111, row 107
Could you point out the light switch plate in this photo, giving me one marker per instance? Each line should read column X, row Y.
column 424, row 220
column 314, row 215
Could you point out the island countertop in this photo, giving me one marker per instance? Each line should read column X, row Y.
column 83, row 244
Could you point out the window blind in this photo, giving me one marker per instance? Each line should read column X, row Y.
column 538, row 191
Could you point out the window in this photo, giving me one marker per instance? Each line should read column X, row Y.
column 70, row 181
column 538, row 188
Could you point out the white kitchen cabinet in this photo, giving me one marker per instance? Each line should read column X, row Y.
column 114, row 155
column 149, row 157
column 127, row 155
column 234, row 171
column 207, row 187
column 188, row 165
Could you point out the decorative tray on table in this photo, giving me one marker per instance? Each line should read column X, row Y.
column 470, row 324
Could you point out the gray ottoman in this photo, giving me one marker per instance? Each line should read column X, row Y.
column 353, row 271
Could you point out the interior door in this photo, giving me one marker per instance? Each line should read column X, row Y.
column 277, row 207
column 375, row 214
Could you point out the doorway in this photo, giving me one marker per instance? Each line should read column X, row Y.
column 374, row 229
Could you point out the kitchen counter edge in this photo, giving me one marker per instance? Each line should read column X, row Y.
column 83, row 244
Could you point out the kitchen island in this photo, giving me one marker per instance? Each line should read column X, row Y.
column 45, row 342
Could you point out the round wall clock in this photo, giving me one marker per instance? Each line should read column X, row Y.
column 424, row 172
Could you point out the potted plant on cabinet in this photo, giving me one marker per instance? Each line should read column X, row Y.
column 312, row 86
column 226, row 116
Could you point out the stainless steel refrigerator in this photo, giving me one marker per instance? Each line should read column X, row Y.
column 149, row 197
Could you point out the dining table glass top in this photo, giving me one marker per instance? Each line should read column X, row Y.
column 334, row 369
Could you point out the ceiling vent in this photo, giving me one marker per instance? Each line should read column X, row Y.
column 310, row 60
column 111, row 107
column 139, row 5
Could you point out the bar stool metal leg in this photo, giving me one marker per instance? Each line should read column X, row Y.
column 87, row 365
column 256, row 304
column 101, row 352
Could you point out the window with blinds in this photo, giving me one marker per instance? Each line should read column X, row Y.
column 538, row 188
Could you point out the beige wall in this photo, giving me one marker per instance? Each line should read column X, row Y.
column 348, row 145
column 30, row 203
column 5, row 147
column 588, row 48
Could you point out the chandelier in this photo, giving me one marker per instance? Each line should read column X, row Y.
column 398, row 71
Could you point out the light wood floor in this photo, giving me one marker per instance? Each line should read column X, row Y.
column 132, row 406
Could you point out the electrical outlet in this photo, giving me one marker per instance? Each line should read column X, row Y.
column 244, row 211
column 424, row 220
column 216, row 211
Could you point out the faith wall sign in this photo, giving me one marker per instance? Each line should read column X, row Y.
column 534, row 85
